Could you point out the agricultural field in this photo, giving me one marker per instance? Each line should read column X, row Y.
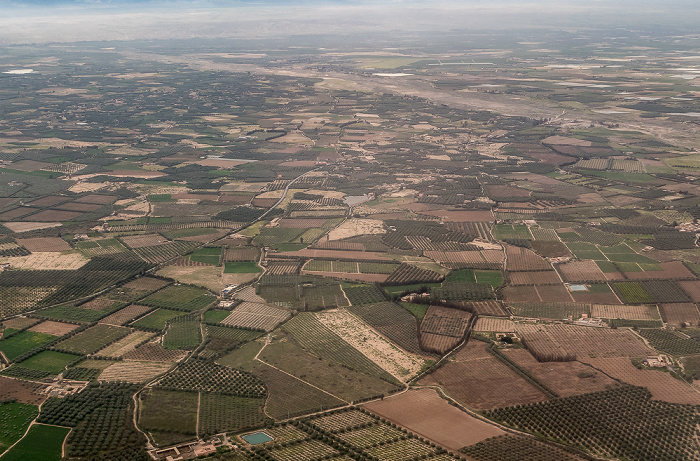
column 577, row 420
column 513, row 226
column 398, row 363
column 93, row 339
column 479, row 380
column 42, row 442
column 558, row 342
column 179, row 297
column 255, row 316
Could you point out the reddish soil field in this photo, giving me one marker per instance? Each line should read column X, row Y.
column 16, row 213
column 53, row 215
column 123, row 316
column 564, row 378
column 581, row 271
column 583, row 342
column 534, row 278
column 336, row 254
column 553, row 293
column 4, row 201
column 522, row 294
column 481, row 381
column 54, row 328
column 692, row 288
column 97, row 198
column 678, row 313
column 595, row 298
column 76, row 206
column 522, row 259
column 424, row 412
column 550, row 249
column 669, row 270
column 264, row 202
column 301, row 223
column 49, row 200
column 661, row 384
column 23, row 391
column 235, row 199
column 49, row 244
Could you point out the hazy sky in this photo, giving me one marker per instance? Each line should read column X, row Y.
column 37, row 21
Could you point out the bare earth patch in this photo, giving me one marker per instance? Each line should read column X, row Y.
column 54, row 328
column 134, row 372
column 47, row 261
column 395, row 361
column 20, row 226
column 209, row 277
column 44, row 244
column 423, row 411
column 357, row 226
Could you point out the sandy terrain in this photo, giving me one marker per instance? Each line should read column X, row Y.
column 47, row 261
column 357, row 226
column 425, row 413
column 399, row 363
column 54, row 328
column 206, row 276
column 19, row 226
column 134, row 372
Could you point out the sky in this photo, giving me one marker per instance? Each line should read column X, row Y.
column 43, row 21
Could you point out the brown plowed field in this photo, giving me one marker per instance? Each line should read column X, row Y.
column 460, row 216
column 123, row 316
column 581, row 341
column 443, row 328
column 564, row 378
column 692, row 288
column 481, row 381
column 581, row 271
column 242, row 254
column 73, row 206
column 662, row 385
column 522, row 259
column 594, row 298
column 533, row 278
column 54, row 328
column 23, row 391
column 44, row 244
column 677, row 313
column 669, row 270
column 97, row 198
column 97, row 304
column 53, row 215
column 424, row 412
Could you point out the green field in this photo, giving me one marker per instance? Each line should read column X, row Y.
column 418, row 310
column 157, row 319
column 15, row 418
column 93, row 339
column 42, row 443
column 215, row 315
column 180, row 297
column 23, row 342
column 243, row 267
column 209, row 255
column 511, row 231
column 49, row 361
